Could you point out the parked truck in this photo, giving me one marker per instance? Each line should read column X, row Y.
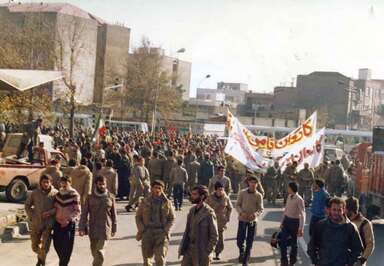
column 17, row 175
column 368, row 175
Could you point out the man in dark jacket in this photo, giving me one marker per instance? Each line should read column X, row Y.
column 201, row 234
column 206, row 171
column 335, row 240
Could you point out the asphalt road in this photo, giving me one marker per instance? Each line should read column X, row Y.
column 124, row 250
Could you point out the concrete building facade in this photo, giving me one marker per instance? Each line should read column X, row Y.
column 98, row 45
column 328, row 91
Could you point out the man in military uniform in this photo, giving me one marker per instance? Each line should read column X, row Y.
column 193, row 172
column 221, row 204
column 155, row 167
column 102, row 221
column 206, row 170
column 53, row 170
column 289, row 175
column 306, row 180
column 322, row 171
column 82, row 180
column 335, row 180
column 39, row 207
column 154, row 219
column 167, row 168
column 111, row 175
column 220, row 177
column 271, row 181
column 200, row 235
column 139, row 182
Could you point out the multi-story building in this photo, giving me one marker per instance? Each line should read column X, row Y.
column 367, row 99
column 99, row 47
column 180, row 72
column 284, row 98
column 329, row 91
column 256, row 104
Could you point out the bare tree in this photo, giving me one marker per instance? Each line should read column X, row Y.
column 69, row 47
column 148, row 86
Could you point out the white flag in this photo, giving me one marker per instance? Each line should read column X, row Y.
column 240, row 149
column 309, row 151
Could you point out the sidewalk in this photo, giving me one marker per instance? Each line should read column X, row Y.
column 9, row 213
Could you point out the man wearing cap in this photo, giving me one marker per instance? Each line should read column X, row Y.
column 220, row 177
column 154, row 219
column 249, row 205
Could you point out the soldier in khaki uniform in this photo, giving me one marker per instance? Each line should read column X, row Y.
column 193, row 172
column 102, row 223
column 155, row 167
column 289, row 175
column 306, row 180
column 71, row 166
column 82, row 180
column 271, row 181
column 40, row 210
column 221, row 204
column 220, row 177
column 139, row 181
column 53, row 170
column 200, row 235
column 111, row 175
column 154, row 219
column 168, row 165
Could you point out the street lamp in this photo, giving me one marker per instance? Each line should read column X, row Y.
column 174, row 69
column 198, row 86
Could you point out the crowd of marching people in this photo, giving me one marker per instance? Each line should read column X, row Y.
column 148, row 171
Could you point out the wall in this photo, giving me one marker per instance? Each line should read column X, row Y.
column 85, row 62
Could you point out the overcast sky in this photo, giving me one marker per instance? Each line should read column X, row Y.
column 262, row 43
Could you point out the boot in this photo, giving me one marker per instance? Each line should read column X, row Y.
column 241, row 256
column 217, row 256
column 40, row 262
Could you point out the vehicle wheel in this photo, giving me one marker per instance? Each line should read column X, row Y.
column 17, row 190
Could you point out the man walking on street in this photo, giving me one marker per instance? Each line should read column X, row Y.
column 224, row 180
column 335, row 180
column 155, row 167
column 320, row 197
column 271, row 179
column 206, row 170
column 154, row 220
column 139, row 183
column 289, row 175
column 193, row 172
column 335, row 240
column 221, row 204
column 81, row 178
column 364, row 226
column 306, row 179
column 53, row 170
column 292, row 225
column 111, row 176
column 179, row 178
column 200, row 235
column 100, row 207
column 40, row 210
column 249, row 205
column 67, row 204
